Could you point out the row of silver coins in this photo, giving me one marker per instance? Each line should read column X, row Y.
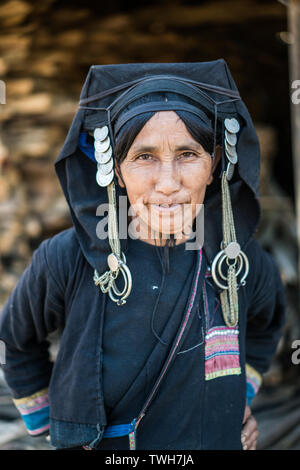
column 232, row 127
column 103, row 156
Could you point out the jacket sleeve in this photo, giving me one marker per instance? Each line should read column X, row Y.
column 265, row 319
column 34, row 309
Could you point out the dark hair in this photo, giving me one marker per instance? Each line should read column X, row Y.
column 127, row 134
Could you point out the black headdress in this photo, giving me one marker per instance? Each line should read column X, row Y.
column 103, row 110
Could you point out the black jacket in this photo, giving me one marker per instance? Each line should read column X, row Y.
column 57, row 291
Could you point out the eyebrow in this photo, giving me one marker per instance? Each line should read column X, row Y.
column 153, row 148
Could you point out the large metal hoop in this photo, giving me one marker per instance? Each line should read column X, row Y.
column 127, row 287
column 224, row 257
column 114, row 286
column 216, row 266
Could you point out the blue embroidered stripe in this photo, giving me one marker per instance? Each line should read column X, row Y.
column 231, row 353
column 37, row 420
column 250, row 393
column 118, row 430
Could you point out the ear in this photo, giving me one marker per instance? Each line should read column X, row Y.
column 119, row 176
column 217, row 158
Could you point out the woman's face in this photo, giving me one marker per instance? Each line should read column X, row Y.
column 165, row 173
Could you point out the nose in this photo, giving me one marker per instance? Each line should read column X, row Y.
column 167, row 178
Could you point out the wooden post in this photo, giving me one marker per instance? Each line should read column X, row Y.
column 293, row 12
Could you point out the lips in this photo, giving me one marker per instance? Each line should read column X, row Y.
column 166, row 208
column 167, row 205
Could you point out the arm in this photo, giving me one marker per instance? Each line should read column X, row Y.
column 265, row 319
column 33, row 310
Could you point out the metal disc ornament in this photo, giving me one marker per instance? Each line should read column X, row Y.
column 232, row 250
column 102, row 146
column 231, row 138
column 113, row 262
column 104, row 180
column 232, row 125
column 229, row 171
column 217, row 263
column 231, row 153
column 105, row 168
column 101, row 133
column 103, row 157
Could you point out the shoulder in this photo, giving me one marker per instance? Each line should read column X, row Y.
column 61, row 253
column 261, row 262
column 255, row 250
column 264, row 278
column 62, row 241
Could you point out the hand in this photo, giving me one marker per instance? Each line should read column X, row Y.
column 249, row 431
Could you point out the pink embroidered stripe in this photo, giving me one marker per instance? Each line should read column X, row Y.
column 34, row 410
column 254, row 378
column 255, row 385
column 38, row 431
column 28, row 411
column 221, row 352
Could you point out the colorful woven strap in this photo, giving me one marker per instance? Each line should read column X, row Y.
column 118, row 430
column 254, row 381
column 34, row 410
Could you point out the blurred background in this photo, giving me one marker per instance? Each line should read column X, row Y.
column 46, row 49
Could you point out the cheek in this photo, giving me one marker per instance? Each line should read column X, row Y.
column 196, row 179
column 138, row 183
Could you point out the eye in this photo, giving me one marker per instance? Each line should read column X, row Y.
column 143, row 156
column 188, row 154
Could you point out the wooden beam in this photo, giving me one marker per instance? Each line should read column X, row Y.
column 214, row 12
column 293, row 12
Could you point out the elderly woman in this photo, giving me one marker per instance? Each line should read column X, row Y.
column 170, row 310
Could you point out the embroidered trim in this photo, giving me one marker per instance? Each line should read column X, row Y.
column 220, row 331
column 38, row 396
column 208, row 272
column 254, row 381
column 132, row 443
column 222, row 352
column 222, row 373
column 206, row 310
column 222, row 355
column 34, row 410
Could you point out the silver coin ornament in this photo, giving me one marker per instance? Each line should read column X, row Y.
column 103, row 156
column 230, row 138
column 229, row 171
column 232, row 127
column 113, row 262
column 104, row 176
column 232, row 250
column 231, row 153
column 104, row 180
column 105, row 168
column 100, row 133
column 102, row 145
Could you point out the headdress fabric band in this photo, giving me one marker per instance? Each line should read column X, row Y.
column 160, row 84
column 161, row 106
column 205, row 86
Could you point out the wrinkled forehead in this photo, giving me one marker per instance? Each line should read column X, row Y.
column 163, row 128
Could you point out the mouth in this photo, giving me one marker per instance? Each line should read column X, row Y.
column 166, row 208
